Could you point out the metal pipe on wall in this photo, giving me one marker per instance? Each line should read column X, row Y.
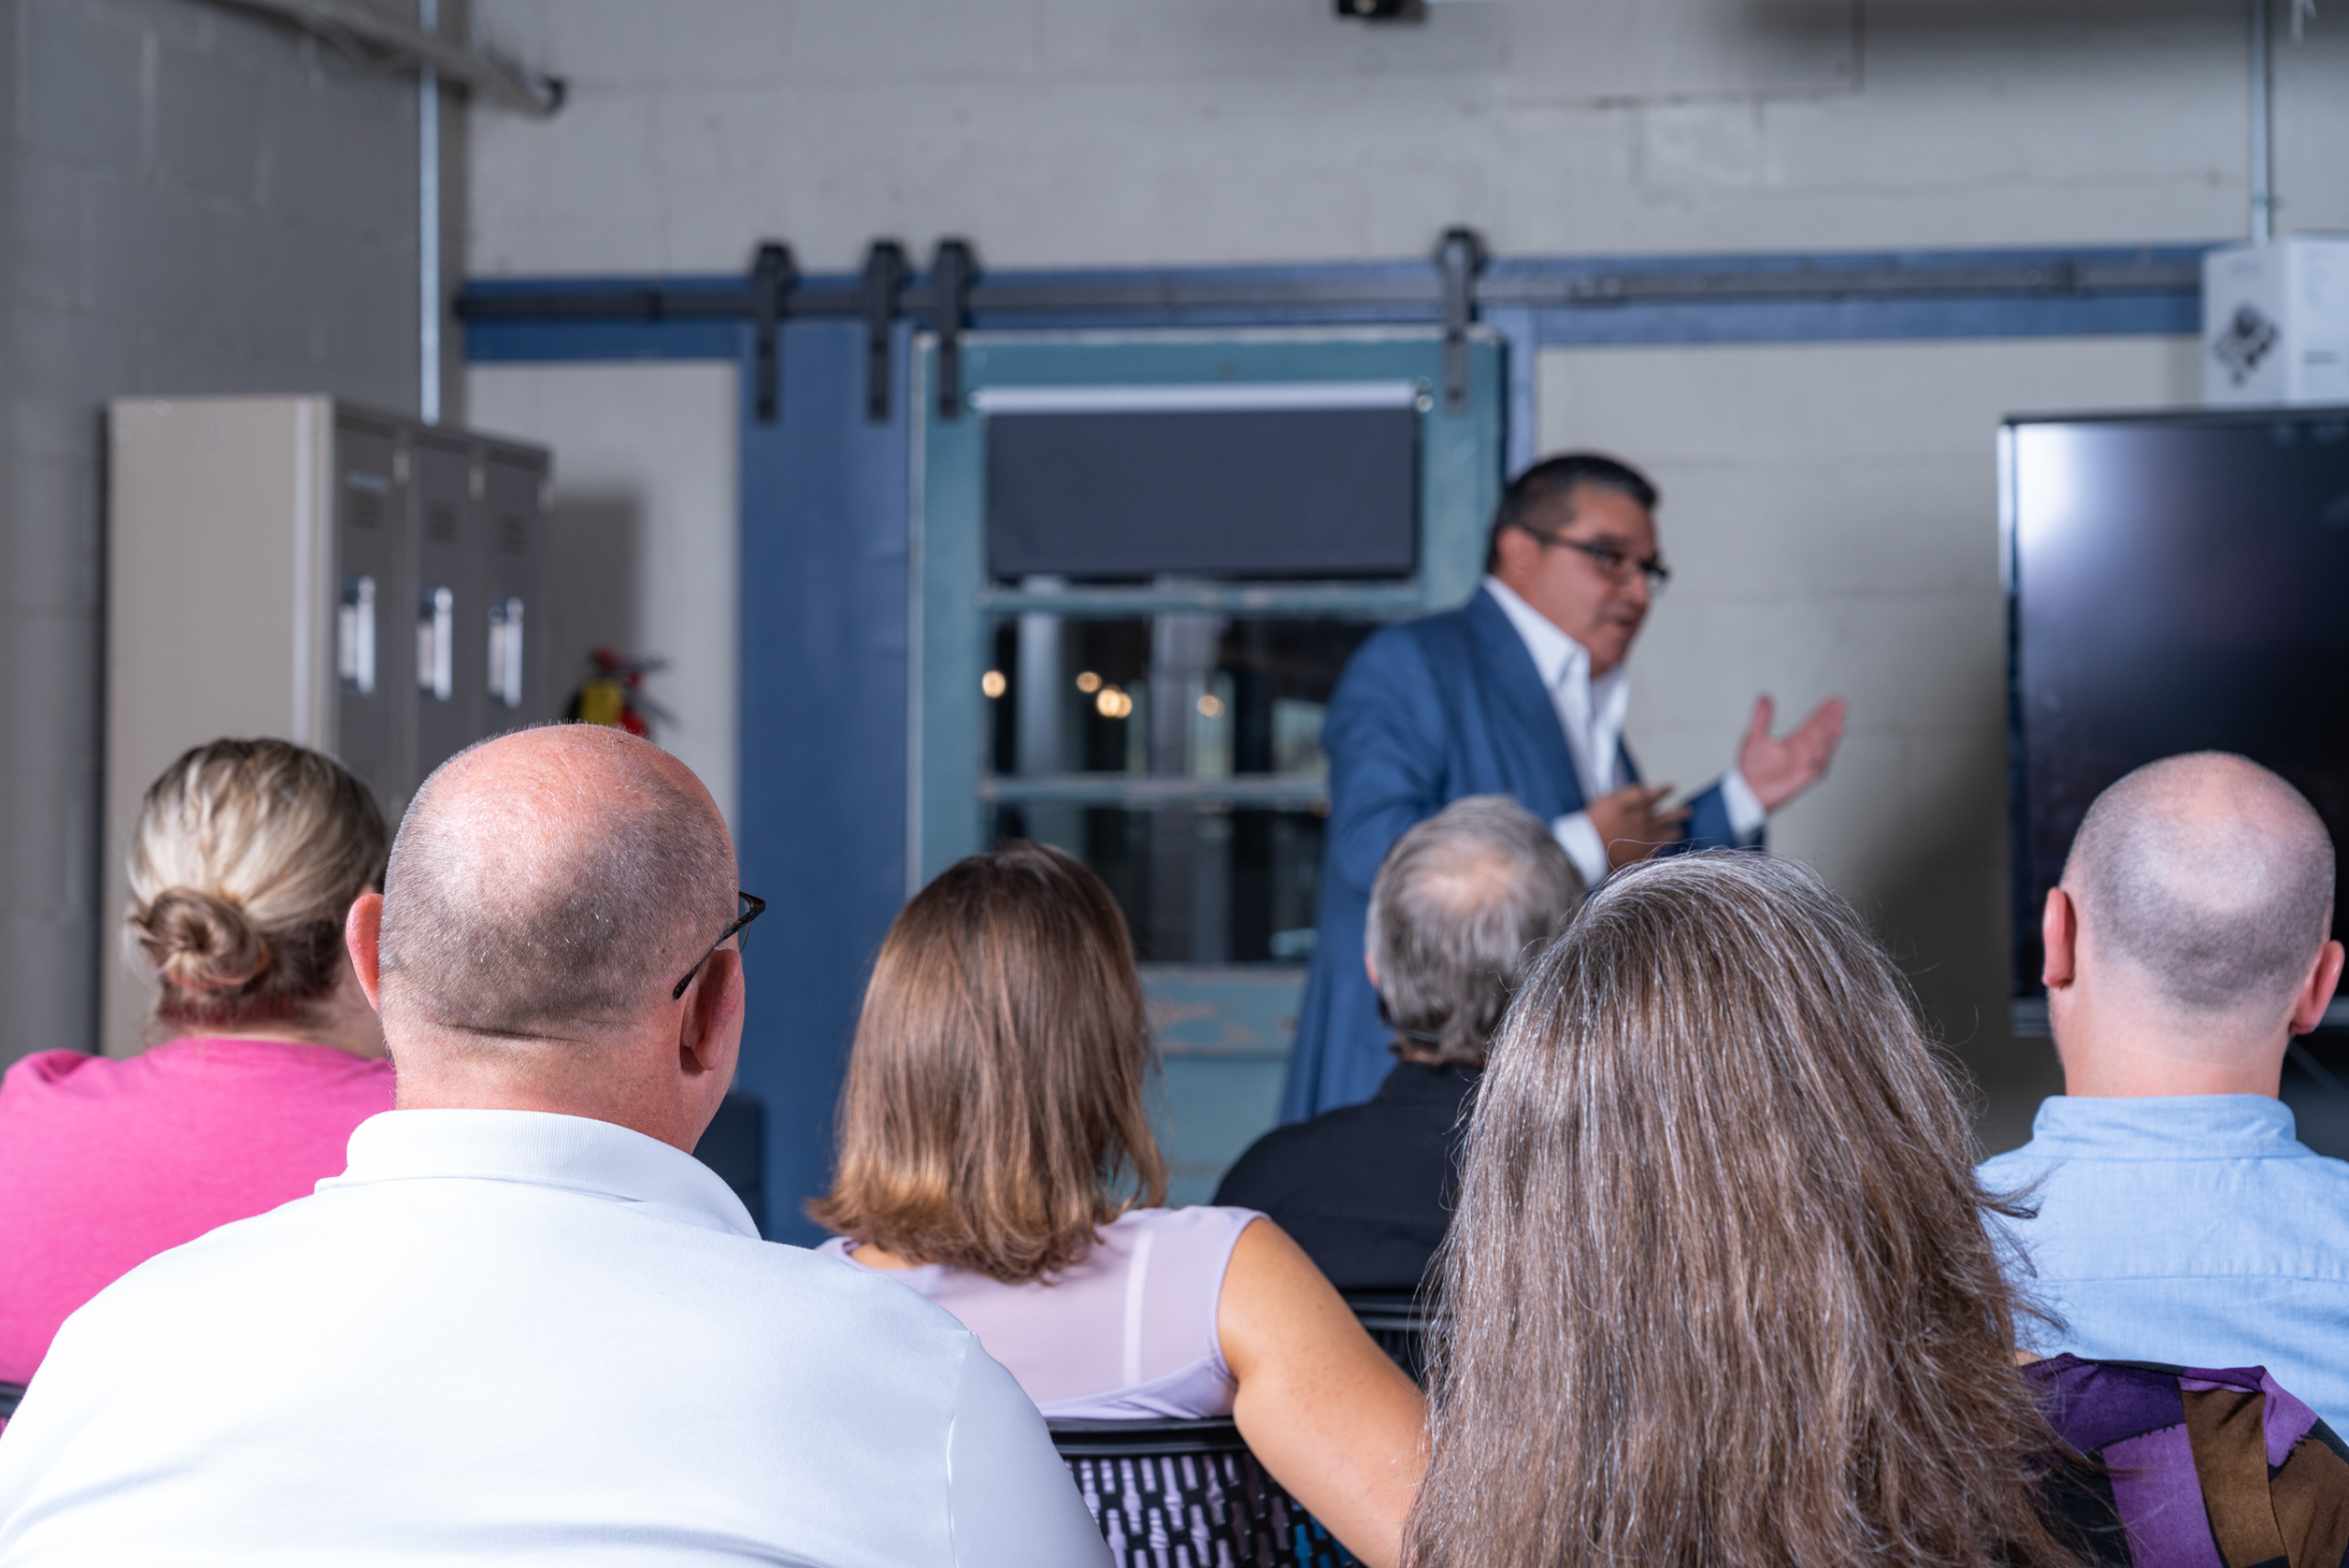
column 427, row 225
column 365, row 33
column 2263, row 155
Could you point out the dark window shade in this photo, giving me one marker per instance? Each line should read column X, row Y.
column 1278, row 492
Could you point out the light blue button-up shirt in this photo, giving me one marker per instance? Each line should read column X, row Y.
column 2190, row 1229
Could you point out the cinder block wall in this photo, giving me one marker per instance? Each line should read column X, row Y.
column 196, row 201
column 1074, row 131
column 1829, row 508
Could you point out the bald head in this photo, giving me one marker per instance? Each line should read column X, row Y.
column 2210, row 875
column 551, row 883
column 1462, row 905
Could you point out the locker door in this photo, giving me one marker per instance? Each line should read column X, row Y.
column 451, row 660
column 512, row 538
column 374, row 659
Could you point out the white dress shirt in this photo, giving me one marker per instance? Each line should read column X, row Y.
column 1591, row 711
column 504, row 1337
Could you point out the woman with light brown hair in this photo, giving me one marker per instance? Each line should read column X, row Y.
column 262, row 1054
column 995, row 1154
column 1720, row 1292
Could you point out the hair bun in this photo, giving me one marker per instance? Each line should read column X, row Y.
column 199, row 942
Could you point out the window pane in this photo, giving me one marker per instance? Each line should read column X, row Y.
column 1197, row 885
column 1169, row 696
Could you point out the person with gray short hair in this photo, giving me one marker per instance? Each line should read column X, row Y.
column 525, row 1325
column 1463, row 903
column 2177, row 1218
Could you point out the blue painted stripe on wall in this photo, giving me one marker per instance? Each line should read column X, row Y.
column 511, row 342
column 1859, row 320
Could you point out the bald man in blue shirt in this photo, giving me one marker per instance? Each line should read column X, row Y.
column 2177, row 1217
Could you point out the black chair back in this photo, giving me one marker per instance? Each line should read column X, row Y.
column 1177, row 1493
column 9, row 1393
column 1398, row 1321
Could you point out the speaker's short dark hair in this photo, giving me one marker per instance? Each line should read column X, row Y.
column 1552, row 482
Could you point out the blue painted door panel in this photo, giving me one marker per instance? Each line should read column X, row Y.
column 822, row 830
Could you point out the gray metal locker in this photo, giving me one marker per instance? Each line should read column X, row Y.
column 450, row 666
column 315, row 570
column 373, row 666
column 513, row 544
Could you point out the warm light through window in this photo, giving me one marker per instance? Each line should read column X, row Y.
column 1211, row 707
column 991, row 683
column 1088, row 683
column 1113, row 703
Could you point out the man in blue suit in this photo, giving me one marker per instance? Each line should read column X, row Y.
column 1522, row 691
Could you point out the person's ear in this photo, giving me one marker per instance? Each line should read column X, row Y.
column 2059, row 935
column 2316, row 992
column 710, row 1028
column 1515, row 549
column 1370, row 967
column 362, row 934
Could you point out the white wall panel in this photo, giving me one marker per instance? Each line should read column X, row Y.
column 645, row 524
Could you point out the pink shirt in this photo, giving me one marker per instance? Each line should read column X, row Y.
column 105, row 1164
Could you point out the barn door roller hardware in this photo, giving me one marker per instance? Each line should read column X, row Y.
column 952, row 270
column 885, row 275
column 1459, row 258
column 772, row 276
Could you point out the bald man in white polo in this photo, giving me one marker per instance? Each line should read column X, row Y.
column 526, row 1325
column 2177, row 1218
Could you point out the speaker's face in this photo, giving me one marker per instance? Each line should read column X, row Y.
column 1586, row 571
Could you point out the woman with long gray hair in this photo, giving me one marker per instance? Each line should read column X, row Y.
column 1719, row 1293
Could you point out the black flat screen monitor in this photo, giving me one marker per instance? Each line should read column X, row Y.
column 2176, row 583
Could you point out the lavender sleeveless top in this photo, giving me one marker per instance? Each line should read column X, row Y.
column 1128, row 1334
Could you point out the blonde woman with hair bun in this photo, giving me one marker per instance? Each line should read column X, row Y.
column 262, row 1054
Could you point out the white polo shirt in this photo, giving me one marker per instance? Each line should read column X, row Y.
column 509, row 1336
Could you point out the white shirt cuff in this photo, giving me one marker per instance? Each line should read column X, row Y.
column 1747, row 816
column 1578, row 836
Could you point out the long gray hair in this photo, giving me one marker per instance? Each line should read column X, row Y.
column 1718, row 1292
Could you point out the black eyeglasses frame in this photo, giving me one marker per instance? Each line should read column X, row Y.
column 758, row 906
column 1611, row 562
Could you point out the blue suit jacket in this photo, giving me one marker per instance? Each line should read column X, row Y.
column 1427, row 711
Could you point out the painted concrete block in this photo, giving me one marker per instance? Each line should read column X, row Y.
column 208, row 120
column 146, row 254
column 85, row 77
column 52, row 569
column 1227, row 39
column 258, row 273
column 48, row 260
column 1641, row 49
column 36, row 949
